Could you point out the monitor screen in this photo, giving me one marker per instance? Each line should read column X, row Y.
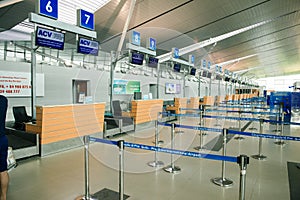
column 193, row 72
column 218, row 77
column 204, row 74
column 86, row 46
column 209, row 75
column 227, row 79
column 152, row 62
column 177, row 67
column 49, row 38
column 137, row 58
column 172, row 88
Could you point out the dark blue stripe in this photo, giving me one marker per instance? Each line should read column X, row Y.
column 182, row 153
column 269, row 136
column 93, row 139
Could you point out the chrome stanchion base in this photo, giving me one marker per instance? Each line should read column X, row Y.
column 276, row 131
column 170, row 169
column 179, row 131
column 86, row 198
column 223, row 182
column 239, row 138
column 259, row 157
column 160, row 142
column 199, row 148
column 280, row 142
column 156, row 164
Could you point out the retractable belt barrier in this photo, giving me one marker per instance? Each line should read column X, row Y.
column 199, row 128
column 228, row 117
column 242, row 160
column 246, row 112
column 269, row 136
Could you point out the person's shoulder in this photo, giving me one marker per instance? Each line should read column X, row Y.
column 3, row 99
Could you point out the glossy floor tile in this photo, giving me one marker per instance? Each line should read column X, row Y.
column 61, row 176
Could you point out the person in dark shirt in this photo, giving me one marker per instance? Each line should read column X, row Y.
column 4, row 178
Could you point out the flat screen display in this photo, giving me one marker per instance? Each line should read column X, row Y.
column 86, row 46
column 137, row 58
column 227, row 79
column 218, row 77
column 49, row 38
column 193, row 72
column 152, row 62
column 209, row 75
column 173, row 88
column 177, row 67
column 204, row 74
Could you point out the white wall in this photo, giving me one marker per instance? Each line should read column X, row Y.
column 58, row 85
column 280, row 83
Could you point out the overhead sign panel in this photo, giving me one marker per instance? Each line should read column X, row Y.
column 85, row 19
column 86, row 46
column 48, row 8
column 49, row 38
column 135, row 38
column 175, row 52
column 151, row 44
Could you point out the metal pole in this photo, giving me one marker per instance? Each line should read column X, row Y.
column 281, row 142
column 240, row 127
column 121, row 169
column 260, row 156
column 172, row 168
column 156, row 163
column 243, row 161
column 179, row 122
column 33, row 75
column 204, row 124
column 200, row 147
column 222, row 181
column 87, row 195
column 277, row 119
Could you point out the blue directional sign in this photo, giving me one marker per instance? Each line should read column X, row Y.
column 85, row 19
column 135, row 38
column 220, row 69
column 217, row 68
column 86, row 46
column 49, row 38
column 151, row 44
column 191, row 59
column 208, row 65
column 48, row 8
column 175, row 52
column 204, row 63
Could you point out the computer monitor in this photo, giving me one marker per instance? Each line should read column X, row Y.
column 137, row 95
column 152, row 62
column 193, row 72
column 177, row 67
column 136, row 58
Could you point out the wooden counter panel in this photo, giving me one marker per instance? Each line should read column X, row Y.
column 146, row 111
column 57, row 123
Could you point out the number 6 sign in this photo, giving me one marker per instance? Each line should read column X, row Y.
column 85, row 19
column 48, row 8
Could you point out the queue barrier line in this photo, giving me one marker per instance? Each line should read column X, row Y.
column 199, row 128
column 268, row 136
column 228, row 117
column 180, row 152
column 247, row 112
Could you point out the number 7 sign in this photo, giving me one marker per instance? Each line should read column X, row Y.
column 48, row 8
column 85, row 19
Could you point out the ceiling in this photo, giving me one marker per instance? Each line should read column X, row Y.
column 272, row 49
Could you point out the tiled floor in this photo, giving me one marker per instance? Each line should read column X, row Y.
column 61, row 176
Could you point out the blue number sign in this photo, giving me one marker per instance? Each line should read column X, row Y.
column 85, row 19
column 175, row 52
column 48, row 8
column 152, row 44
column 135, row 38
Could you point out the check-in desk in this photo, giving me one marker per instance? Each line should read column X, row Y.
column 207, row 101
column 144, row 111
column 193, row 103
column 61, row 127
column 178, row 103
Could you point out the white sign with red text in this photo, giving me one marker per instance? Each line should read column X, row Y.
column 17, row 84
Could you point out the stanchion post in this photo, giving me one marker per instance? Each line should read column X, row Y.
column 87, row 195
column 204, row 124
column 222, row 181
column 252, row 114
column 240, row 126
column 156, row 163
column 277, row 119
column 172, row 168
column 281, row 142
column 121, row 169
column 179, row 122
column 243, row 161
column 200, row 147
column 260, row 156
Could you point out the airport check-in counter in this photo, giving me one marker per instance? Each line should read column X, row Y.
column 62, row 127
